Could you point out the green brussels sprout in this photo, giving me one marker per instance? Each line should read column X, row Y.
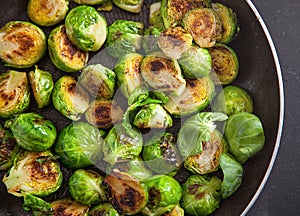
column 85, row 186
column 70, row 98
column 200, row 195
column 14, row 93
column 204, row 25
column 128, row 73
column 47, row 12
column 124, row 37
column 196, row 97
column 22, row 44
column 37, row 205
column 69, row 207
column 98, row 80
column 245, row 135
column 42, row 85
column 195, row 63
column 103, row 209
column 161, row 154
column 150, row 39
column 8, row 149
column 228, row 20
column 120, row 146
column 225, row 64
column 133, row 6
column 32, row 131
column 90, row 2
column 231, row 100
column 173, row 11
column 128, row 195
column 162, row 73
column 63, row 53
column 36, row 173
column 155, row 18
column 86, row 28
column 79, row 145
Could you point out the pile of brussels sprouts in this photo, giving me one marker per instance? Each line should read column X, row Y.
column 154, row 135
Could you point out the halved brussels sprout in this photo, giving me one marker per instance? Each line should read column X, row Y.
column 86, row 28
column 47, row 12
column 36, row 173
column 70, row 98
column 204, row 25
column 162, row 73
column 69, row 207
column 155, row 18
column 196, row 97
column 90, row 2
column 133, row 6
column 42, row 85
column 63, row 53
column 225, row 64
column 104, row 209
column 32, row 131
column 14, row 93
column 22, row 44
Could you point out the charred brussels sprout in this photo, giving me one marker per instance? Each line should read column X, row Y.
column 90, row 2
column 36, row 173
column 42, row 85
column 69, row 207
column 70, row 98
column 14, row 93
column 22, row 44
column 133, row 6
column 225, row 64
column 79, row 145
column 32, row 131
column 63, row 53
column 103, row 209
column 47, row 12
column 86, row 28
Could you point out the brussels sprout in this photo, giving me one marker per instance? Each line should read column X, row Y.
column 69, row 207
column 47, row 12
column 32, row 131
column 86, row 28
column 98, row 80
column 231, row 100
column 103, row 209
column 196, row 97
column 37, row 205
column 22, row 44
column 127, row 194
column 128, row 73
column 120, row 146
column 14, row 93
column 42, row 85
column 79, row 145
column 36, row 173
column 225, row 64
column 177, row 211
column 195, row 63
column 172, row 11
column 162, row 73
column 63, row 53
column 155, row 18
column 228, row 20
column 85, row 186
column 201, row 196
column 124, row 37
column 150, row 39
column 90, row 2
column 204, row 25
column 133, row 6
column 70, row 98
column 245, row 135
column 8, row 148
column 161, row 155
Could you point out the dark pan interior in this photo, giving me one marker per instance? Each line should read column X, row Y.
column 257, row 75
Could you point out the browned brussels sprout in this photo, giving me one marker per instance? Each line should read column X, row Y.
column 69, row 207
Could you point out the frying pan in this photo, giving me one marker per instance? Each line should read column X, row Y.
column 259, row 74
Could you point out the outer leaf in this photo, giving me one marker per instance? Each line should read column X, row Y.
column 38, row 206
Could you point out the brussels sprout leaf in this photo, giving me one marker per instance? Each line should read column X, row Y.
column 37, row 205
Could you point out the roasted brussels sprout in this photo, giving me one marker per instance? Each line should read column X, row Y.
column 231, row 100
column 69, row 207
column 225, row 64
column 14, row 93
column 200, row 195
column 36, row 173
column 197, row 96
column 47, row 12
column 150, row 39
column 90, row 2
column 103, row 209
column 155, row 18
column 98, row 80
column 133, row 6
column 63, row 53
column 70, row 98
column 42, row 85
column 79, row 145
column 22, row 44
column 86, row 28
column 245, row 135
column 162, row 73
column 32, row 131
